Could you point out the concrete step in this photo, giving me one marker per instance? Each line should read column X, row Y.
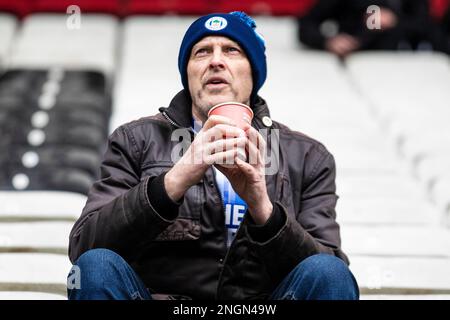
column 383, row 211
column 401, row 275
column 29, row 295
column 41, row 272
column 386, row 186
column 398, row 241
column 441, row 196
column 427, row 143
column 50, row 237
column 40, row 205
column 433, row 168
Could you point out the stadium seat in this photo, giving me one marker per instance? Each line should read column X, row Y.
column 168, row 7
column 30, row 295
column 60, row 6
column 366, row 186
column 7, row 29
column 45, row 177
column 54, row 126
column 148, row 76
column 396, row 241
column 401, row 275
column 63, row 156
column 42, row 272
column 19, row 8
column 267, row 7
column 379, row 210
column 49, row 236
column 45, row 41
column 279, row 34
column 40, row 205
column 440, row 195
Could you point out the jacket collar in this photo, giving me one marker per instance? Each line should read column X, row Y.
column 180, row 110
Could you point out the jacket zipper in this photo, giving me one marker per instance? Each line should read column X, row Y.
column 174, row 123
column 226, row 238
column 170, row 120
column 216, row 189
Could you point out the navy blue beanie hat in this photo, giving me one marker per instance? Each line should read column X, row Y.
column 237, row 26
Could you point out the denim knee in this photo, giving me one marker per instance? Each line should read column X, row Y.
column 324, row 266
column 99, row 257
column 96, row 265
column 103, row 274
column 321, row 276
column 331, row 274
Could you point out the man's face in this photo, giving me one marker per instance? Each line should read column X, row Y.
column 218, row 71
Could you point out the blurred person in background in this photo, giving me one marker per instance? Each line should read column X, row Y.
column 440, row 11
column 154, row 229
column 343, row 27
column 446, row 30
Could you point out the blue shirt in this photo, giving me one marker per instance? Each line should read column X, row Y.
column 235, row 207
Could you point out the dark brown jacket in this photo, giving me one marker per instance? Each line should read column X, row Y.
column 184, row 252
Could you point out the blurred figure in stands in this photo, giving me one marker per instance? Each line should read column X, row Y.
column 440, row 11
column 342, row 27
column 446, row 27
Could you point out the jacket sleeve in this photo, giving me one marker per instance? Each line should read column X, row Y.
column 314, row 228
column 118, row 214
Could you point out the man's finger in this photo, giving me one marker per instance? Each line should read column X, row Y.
column 225, row 157
column 256, row 139
column 223, row 130
column 247, row 169
column 215, row 120
column 225, row 144
column 253, row 153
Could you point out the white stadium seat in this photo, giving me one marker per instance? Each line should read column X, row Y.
column 396, row 241
column 29, row 295
column 40, row 205
column 46, row 41
column 8, row 25
column 401, row 275
column 42, row 272
column 49, row 236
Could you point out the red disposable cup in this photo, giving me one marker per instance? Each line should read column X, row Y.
column 241, row 115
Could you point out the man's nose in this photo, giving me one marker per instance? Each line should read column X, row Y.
column 217, row 60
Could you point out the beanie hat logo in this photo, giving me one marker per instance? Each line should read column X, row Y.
column 216, row 23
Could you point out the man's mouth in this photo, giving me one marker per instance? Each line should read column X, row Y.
column 216, row 82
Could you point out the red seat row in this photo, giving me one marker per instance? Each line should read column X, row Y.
column 438, row 8
column 123, row 8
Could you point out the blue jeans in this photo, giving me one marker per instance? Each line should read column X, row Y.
column 105, row 275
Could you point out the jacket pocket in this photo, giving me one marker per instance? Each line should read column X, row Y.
column 187, row 224
column 285, row 195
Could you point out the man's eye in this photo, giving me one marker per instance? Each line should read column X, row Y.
column 201, row 51
column 233, row 49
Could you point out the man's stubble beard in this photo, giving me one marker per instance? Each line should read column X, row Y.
column 202, row 107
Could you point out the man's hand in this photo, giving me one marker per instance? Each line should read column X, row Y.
column 342, row 44
column 213, row 144
column 248, row 179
